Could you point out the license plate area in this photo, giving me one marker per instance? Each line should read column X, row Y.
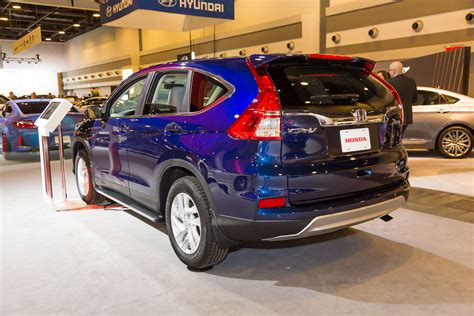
column 355, row 139
column 336, row 139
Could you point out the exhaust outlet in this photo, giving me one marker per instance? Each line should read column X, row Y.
column 386, row 218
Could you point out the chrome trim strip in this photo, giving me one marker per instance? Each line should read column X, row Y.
column 326, row 121
column 332, row 222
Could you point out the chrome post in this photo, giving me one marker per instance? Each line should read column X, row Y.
column 45, row 160
column 61, row 158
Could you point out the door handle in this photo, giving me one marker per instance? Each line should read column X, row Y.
column 443, row 111
column 173, row 128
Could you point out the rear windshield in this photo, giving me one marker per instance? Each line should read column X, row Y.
column 323, row 87
column 32, row 107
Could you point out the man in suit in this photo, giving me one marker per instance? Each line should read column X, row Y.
column 406, row 88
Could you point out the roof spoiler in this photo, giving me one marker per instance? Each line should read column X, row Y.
column 260, row 60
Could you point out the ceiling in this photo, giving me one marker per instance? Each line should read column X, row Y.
column 17, row 18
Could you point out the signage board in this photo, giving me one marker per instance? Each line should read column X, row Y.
column 220, row 9
column 28, row 41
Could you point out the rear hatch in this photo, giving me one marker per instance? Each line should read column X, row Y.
column 339, row 125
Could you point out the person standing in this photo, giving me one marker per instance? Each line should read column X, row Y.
column 406, row 88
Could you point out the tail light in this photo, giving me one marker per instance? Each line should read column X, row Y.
column 4, row 143
column 262, row 119
column 20, row 140
column 24, row 124
column 395, row 95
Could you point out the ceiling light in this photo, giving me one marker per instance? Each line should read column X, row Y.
column 76, row 25
column 47, row 38
column 16, row 6
column 96, row 15
column 61, row 32
column 3, row 18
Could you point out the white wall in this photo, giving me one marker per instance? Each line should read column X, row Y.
column 25, row 78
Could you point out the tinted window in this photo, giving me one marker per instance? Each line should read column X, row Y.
column 167, row 94
column 205, row 91
column 3, row 100
column 314, row 87
column 127, row 102
column 32, row 107
column 429, row 98
column 449, row 99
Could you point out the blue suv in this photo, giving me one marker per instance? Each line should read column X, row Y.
column 230, row 150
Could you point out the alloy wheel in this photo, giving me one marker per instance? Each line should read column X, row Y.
column 456, row 143
column 186, row 223
column 82, row 174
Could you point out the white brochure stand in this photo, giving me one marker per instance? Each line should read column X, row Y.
column 48, row 121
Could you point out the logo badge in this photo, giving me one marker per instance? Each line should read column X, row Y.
column 360, row 115
column 168, row 3
column 108, row 11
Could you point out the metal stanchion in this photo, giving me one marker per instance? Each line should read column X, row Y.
column 61, row 159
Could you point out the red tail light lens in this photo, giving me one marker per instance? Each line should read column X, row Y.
column 24, row 124
column 20, row 141
column 272, row 202
column 262, row 119
column 4, row 143
column 395, row 95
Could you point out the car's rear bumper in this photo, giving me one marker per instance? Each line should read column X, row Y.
column 324, row 221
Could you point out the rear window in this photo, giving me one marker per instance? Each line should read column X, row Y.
column 32, row 107
column 323, row 87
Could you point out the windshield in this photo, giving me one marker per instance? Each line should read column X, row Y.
column 32, row 107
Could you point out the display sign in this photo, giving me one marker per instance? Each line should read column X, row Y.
column 220, row 9
column 28, row 41
column 52, row 116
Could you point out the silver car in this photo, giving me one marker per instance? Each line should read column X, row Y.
column 442, row 121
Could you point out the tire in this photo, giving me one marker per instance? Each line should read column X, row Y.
column 84, row 183
column 454, row 142
column 183, row 226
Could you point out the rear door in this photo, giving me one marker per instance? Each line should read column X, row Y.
column 337, row 121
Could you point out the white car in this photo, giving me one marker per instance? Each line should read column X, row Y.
column 442, row 121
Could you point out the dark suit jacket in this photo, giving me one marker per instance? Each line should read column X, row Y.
column 406, row 88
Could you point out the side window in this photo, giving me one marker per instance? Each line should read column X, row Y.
column 205, row 91
column 429, row 98
column 167, row 94
column 127, row 102
column 449, row 99
column 8, row 109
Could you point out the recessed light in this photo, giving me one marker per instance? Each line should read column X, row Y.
column 61, row 32
column 47, row 39
column 76, row 25
column 16, row 6
column 3, row 18
column 96, row 15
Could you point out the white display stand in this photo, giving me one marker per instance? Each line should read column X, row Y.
column 48, row 121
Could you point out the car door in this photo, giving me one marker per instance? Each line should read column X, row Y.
column 429, row 113
column 111, row 137
column 157, row 133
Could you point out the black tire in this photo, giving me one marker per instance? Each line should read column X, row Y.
column 208, row 252
column 444, row 136
column 91, row 196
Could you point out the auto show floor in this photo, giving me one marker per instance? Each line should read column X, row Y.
column 97, row 261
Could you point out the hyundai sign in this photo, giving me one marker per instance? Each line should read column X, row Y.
column 219, row 9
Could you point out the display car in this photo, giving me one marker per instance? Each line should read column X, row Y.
column 20, row 135
column 442, row 121
column 270, row 147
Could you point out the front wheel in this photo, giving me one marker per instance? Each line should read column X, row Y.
column 84, row 179
column 189, row 225
column 455, row 142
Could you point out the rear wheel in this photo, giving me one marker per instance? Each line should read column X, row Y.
column 455, row 142
column 84, row 182
column 189, row 225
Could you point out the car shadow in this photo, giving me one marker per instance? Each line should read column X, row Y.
column 350, row 264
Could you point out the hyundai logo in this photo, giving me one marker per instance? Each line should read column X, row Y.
column 168, row 3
